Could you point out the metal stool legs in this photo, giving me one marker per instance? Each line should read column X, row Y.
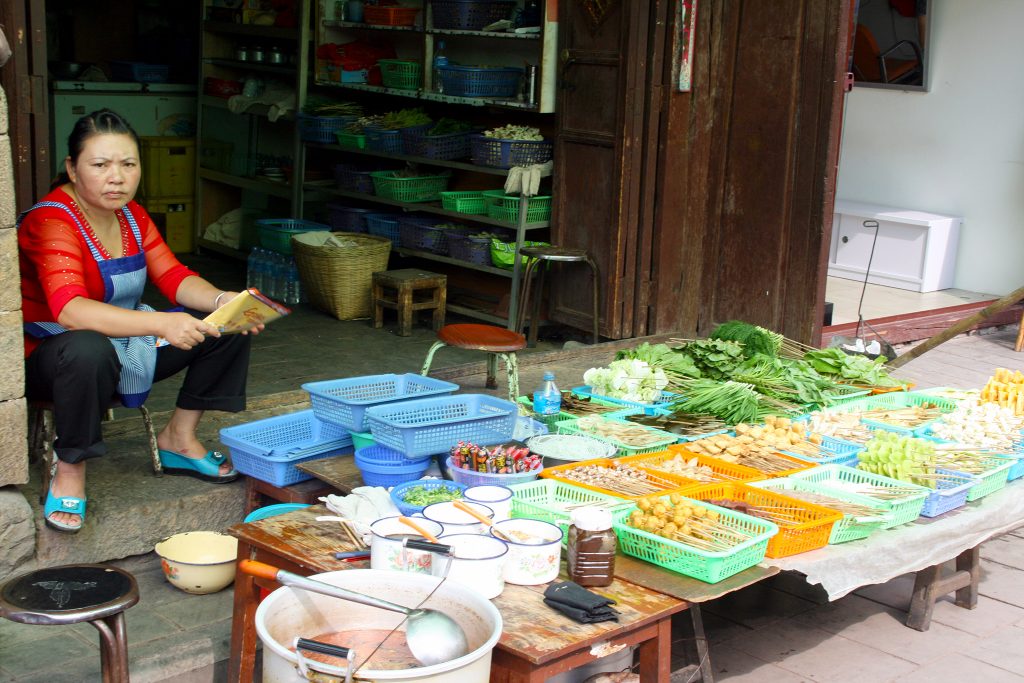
column 511, row 368
column 524, row 298
column 113, row 648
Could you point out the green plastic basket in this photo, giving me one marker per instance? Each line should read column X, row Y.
column 848, row 528
column 505, row 207
column 472, row 203
column 834, row 478
column 623, row 449
column 563, row 415
column 893, row 401
column 419, row 189
column 547, row 500
column 401, row 74
column 351, row 140
column 710, row 567
column 991, row 479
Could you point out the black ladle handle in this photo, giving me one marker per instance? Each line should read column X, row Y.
column 321, row 648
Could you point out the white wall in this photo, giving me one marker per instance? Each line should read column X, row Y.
column 957, row 149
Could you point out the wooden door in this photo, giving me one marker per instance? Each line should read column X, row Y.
column 24, row 80
column 599, row 157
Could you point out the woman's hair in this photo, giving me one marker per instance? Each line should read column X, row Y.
column 102, row 121
column 97, row 123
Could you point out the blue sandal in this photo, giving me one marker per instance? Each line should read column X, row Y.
column 68, row 504
column 206, row 468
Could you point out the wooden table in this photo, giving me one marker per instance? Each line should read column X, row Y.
column 536, row 642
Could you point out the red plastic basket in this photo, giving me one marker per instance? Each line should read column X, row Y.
column 390, row 16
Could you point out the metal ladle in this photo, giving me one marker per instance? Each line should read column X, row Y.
column 433, row 637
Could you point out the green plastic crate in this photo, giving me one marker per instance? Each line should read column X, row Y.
column 505, row 207
column 833, row 478
column 710, row 567
column 563, row 415
column 894, row 400
column 991, row 479
column 418, row 189
column 401, row 74
column 547, row 500
column 623, row 449
column 352, row 140
column 472, row 203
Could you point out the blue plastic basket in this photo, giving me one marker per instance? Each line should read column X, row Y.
column 352, row 178
column 384, row 225
column 470, row 15
column 949, row 494
column 391, row 140
column 343, row 402
column 322, row 128
column 427, row 426
column 347, row 218
column 270, row 449
column 476, row 81
column 276, row 233
column 382, row 466
column 408, row 509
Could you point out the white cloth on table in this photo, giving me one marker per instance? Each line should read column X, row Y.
column 887, row 554
column 364, row 505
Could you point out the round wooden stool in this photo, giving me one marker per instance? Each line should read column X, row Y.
column 74, row 593
column 541, row 255
column 495, row 341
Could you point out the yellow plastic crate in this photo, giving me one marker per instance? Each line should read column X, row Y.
column 174, row 217
column 168, row 166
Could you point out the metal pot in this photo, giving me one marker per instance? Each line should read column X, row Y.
column 456, row 521
column 288, row 613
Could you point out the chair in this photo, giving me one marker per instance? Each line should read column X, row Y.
column 541, row 255
column 71, row 594
column 876, row 66
column 495, row 341
column 42, row 434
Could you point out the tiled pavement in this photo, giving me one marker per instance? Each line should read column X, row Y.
column 779, row 631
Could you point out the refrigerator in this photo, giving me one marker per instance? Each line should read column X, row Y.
column 150, row 108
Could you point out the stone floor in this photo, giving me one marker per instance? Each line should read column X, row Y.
column 781, row 630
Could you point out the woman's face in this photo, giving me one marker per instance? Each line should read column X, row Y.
column 107, row 172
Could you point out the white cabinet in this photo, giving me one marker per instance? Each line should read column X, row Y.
column 915, row 250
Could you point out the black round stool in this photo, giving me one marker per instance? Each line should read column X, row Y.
column 537, row 255
column 72, row 594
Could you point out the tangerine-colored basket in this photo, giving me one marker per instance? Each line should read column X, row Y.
column 724, row 471
column 798, row 464
column 390, row 16
column 671, row 482
column 811, row 526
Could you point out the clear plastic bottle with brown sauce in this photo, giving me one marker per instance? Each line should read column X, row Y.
column 591, row 547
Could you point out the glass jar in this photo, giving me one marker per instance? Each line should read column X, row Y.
column 591, row 547
column 256, row 54
column 242, row 53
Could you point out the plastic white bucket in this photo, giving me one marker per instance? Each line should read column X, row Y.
column 287, row 613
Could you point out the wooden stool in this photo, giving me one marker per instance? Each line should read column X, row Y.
column 406, row 282
column 42, row 433
column 308, row 492
column 541, row 255
column 496, row 341
column 72, row 594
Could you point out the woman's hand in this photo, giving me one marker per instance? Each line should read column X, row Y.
column 184, row 331
column 255, row 330
column 223, row 298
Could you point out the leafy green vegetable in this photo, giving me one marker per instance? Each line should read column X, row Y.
column 733, row 402
column 715, row 358
column 850, row 369
column 447, row 126
column 662, row 356
column 630, row 380
column 425, row 495
column 755, row 339
column 404, row 118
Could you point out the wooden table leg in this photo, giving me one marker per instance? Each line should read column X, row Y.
column 969, row 561
column 242, row 660
column 922, row 602
column 378, row 308
column 404, row 300
column 656, row 655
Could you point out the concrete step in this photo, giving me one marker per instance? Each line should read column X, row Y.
column 130, row 508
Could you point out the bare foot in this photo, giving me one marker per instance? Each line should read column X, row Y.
column 68, row 481
column 187, row 445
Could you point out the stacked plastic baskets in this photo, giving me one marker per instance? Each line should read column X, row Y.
column 345, row 403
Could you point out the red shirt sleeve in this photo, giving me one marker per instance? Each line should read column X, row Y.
column 54, row 266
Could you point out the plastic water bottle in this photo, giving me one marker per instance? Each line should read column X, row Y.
column 253, row 276
column 280, row 269
column 547, row 400
column 440, row 59
column 293, row 290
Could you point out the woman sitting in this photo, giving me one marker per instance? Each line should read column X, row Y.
column 86, row 251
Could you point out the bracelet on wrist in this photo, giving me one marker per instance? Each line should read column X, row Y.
column 216, row 302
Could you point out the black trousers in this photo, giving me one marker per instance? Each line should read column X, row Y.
column 78, row 372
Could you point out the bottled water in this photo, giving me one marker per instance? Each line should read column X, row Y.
column 293, row 290
column 254, row 269
column 547, row 400
column 440, row 59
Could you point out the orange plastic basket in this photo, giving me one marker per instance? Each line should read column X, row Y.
column 724, row 471
column 798, row 464
column 672, row 482
column 390, row 16
column 811, row 530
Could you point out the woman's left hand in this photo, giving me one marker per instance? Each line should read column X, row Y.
column 223, row 298
column 255, row 330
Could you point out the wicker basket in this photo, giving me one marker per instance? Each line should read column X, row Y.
column 338, row 280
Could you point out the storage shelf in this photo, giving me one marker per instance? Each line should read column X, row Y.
column 474, row 313
column 369, row 27
column 282, row 69
column 245, row 183
column 461, row 165
column 250, row 30
column 433, row 96
column 402, row 251
column 222, row 249
column 424, row 207
column 251, row 110
column 484, row 34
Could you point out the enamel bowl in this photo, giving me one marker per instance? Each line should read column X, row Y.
column 198, row 562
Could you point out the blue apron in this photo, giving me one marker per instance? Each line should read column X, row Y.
column 123, row 281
